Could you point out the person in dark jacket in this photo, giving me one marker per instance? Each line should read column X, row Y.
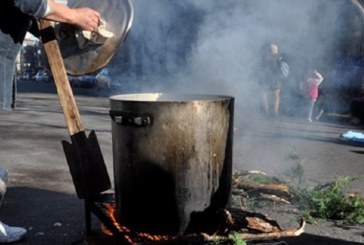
column 271, row 77
column 17, row 17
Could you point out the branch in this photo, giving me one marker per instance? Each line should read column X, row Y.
column 262, row 236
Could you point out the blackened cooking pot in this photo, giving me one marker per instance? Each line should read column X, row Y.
column 172, row 158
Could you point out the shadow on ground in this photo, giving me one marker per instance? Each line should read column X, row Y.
column 50, row 217
column 309, row 239
column 57, row 218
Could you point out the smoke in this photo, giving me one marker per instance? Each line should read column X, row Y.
column 215, row 46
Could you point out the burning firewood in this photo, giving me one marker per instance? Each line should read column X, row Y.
column 204, row 238
column 263, row 236
column 224, row 225
column 246, row 225
column 252, row 227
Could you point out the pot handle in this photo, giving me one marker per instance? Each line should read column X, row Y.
column 128, row 118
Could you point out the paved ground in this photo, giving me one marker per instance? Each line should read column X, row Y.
column 41, row 195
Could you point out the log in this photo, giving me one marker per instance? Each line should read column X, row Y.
column 238, row 220
column 280, row 190
column 262, row 236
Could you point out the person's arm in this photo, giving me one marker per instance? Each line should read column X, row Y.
column 85, row 18
column 319, row 78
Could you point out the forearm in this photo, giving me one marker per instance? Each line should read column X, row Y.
column 85, row 18
column 61, row 13
column 319, row 78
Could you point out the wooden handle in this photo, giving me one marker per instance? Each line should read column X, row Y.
column 64, row 90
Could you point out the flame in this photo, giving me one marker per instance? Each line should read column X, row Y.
column 131, row 236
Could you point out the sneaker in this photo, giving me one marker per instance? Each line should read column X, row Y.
column 10, row 234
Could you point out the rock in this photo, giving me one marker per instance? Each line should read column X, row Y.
column 3, row 183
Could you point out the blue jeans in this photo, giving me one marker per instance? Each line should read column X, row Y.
column 15, row 20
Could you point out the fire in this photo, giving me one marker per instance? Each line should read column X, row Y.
column 110, row 212
column 232, row 220
column 130, row 236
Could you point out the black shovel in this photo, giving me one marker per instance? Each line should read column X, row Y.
column 83, row 154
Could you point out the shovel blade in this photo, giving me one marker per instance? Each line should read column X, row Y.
column 87, row 165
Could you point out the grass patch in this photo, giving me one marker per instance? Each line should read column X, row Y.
column 331, row 201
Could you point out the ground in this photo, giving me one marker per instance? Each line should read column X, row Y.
column 41, row 196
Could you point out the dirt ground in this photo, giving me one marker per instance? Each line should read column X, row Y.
column 41, row 196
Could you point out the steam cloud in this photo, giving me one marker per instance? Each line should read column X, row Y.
column 215, row 46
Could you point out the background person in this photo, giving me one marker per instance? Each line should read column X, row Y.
column 271, row 80
column 312, row 89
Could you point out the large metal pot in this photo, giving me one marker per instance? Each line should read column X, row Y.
column 172, row 158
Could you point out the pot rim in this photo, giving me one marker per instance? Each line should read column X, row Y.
column 168, row 97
